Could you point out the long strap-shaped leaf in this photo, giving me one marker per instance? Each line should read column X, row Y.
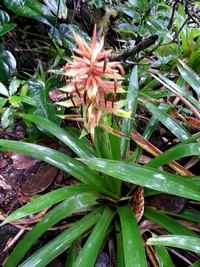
column 76, row 203
column 57, row 159
column 178, row 241
column 191, row 77
column 46, row 201
column 170, row 224
column 77, row 145
column 174, row 153
column 163, row 256
column 127, row 124
column 88, row 254
column 173, row 126
column 133, row 247
column 147, row 177
column 62, row 242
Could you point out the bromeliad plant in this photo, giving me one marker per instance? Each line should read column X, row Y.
column 109, row 194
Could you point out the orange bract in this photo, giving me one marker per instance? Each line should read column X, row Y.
column 90, row 77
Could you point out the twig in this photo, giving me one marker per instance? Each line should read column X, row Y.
column 172, row 15
column 131, row 52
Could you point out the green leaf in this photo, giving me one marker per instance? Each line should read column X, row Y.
column 77, row 203
column 3, row 90
column 8, row 64
column 81, row 148
column 45, row 201
column 105, row 149
column 6, row 27
column 190, row 77
column 39, row 93
column 177, row 241
column 5, row 24
column 59, row 160
column 189, row 214
column 89, row 252
column 170, row 224
column 163, row 256
column 127, row 124
column 27, row 8
column 174, row 153
column 62, row 242
column 71, row 255
column 177, row 89
column 147, row 177
column 119, row 241
column 7, row 118
column 133, row 247
column 3, row 101
column 196, row 264
column 173, row 126
column 14, row 85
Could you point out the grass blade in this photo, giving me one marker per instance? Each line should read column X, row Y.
column 88, row 254
column 134, row 253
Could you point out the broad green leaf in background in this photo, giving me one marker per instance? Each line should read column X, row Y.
column 3, row 101
column 3, row 90
column 133, row 247
column 5, row 24
column 39, row 93
column 62, row 242
column 8, row 64
column 7, row 118
column 177, row 241
column 77, row 203
column 13, row 86
column 147, row 177
column 88, row 254
column 128, row 124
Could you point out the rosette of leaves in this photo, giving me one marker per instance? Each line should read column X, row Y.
column 100, row 203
